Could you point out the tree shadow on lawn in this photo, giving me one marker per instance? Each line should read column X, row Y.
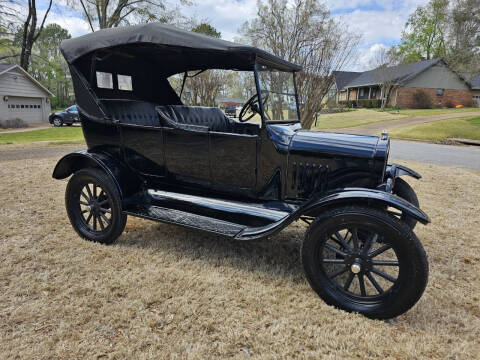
column 277, row 257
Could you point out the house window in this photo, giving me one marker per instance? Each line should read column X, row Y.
column 104, row 80
column 440, row 92
column 124, row 82
column 362, row 91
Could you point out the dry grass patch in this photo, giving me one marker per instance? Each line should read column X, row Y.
column 167, row 292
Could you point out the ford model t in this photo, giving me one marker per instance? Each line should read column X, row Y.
column 154, row 153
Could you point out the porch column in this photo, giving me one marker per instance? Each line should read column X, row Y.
column 369, row 92
column 358, row 90
column 348, row 94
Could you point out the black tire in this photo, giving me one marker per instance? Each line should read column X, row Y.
column 94, row 206
column 69, row 124
column 57, row 121
column 395, row 243
column 405, row 191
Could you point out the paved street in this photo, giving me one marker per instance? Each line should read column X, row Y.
column 447, row 155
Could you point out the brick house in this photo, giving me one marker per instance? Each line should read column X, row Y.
column 400, row 83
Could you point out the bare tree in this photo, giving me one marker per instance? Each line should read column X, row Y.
column 101, row 14
column 383, row 61
column 18, row 12
column 303, row 32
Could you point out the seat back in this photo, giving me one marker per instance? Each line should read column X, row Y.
column 132, row 112
column 211, row 117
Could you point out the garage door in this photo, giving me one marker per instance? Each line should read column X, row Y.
column 28, row 109
column 476, row 98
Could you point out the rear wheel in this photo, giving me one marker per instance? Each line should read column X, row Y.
column 362, row 259
column 94, row 206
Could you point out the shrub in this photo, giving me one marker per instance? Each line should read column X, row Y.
column 450, row 104
column 13, row 123
column 421, row 100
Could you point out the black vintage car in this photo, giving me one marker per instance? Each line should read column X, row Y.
column 151, row 155
column 69, row 116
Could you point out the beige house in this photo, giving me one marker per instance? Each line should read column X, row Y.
column 21, row 96
column 399, row 84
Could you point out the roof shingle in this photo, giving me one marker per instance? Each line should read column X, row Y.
column 399, row 73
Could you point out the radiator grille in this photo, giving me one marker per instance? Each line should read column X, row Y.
column 309, row 177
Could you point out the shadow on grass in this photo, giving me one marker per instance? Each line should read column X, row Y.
column 276, row 257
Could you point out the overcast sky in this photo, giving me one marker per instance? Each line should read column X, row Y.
column 380, row 22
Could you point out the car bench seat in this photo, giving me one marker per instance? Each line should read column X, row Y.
column 132, row 112
column 208, row 117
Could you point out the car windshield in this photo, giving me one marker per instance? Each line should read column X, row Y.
column 72, row 108
column 278, row 94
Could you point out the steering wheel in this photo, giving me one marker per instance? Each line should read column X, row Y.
column 252, row 105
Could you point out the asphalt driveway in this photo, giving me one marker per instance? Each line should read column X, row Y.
column 447, row 155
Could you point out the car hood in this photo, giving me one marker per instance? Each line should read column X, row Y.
column 317, row 143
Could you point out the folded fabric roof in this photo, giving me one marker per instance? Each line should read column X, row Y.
column 184, row 50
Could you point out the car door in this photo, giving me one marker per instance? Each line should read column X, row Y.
column 233, row 159
column 187, row 153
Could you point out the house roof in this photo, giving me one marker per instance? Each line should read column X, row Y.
column 7, row 67
column 4, row 67
column 475, row 82
column 342, row 78
column 400, row 73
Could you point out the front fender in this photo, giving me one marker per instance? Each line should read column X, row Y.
column 126, row 180
column 364, row 196
column 396, row 170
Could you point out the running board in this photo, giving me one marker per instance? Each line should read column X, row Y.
column 234, row 219
column 249, row 214
column 177, row 217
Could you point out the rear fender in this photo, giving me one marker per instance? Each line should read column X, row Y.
column 368, row 197
column 127, row 182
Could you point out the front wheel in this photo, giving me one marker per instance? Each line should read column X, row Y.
column 94, row 206
column 364, row 260
column 57, row 122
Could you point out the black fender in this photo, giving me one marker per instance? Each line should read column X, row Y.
column 127, row 182
column 396, row 170
column 363, row 196
column 347, row 196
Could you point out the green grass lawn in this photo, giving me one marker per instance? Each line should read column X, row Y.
column 367, row 116
column 430, row 112
column 70, row 134
column 465, row 128
column 354, row 118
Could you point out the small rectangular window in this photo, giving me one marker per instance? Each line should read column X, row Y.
column 124, row 82
column 440, row 92
column 23, row 106
column 104, row 80
column 17, row 106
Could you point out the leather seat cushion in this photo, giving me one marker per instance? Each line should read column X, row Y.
column 132, row 112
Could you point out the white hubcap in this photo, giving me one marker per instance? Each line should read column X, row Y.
column 355, row 268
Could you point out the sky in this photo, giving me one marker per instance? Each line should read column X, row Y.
column 380, row 22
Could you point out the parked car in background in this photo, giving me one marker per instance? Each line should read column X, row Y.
column 67, row 116
column 231, row 111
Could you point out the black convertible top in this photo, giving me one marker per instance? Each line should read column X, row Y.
column 171, row 47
